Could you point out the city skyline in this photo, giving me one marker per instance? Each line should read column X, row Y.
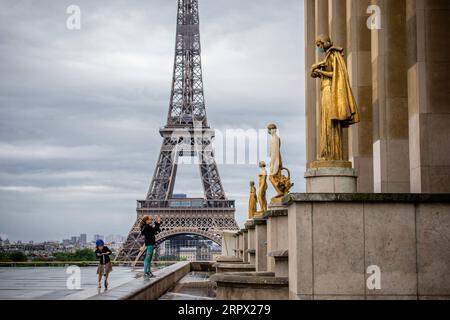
column 90, row 239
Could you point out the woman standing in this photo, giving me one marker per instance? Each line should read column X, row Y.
column 149, row 231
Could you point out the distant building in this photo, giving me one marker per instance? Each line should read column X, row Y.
column 188, row 254
column 74, row 240
column 115, row 238
column 83, row 239
column 98, row 237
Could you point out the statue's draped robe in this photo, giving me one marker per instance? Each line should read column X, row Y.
column 338, row 107
column 252, row 203
column 276, row 164
column 262, row 190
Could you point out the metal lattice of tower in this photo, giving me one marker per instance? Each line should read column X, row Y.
column 186, row 133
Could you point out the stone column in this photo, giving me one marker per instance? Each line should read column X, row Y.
column 321, row 15
column 322, row 27
column 245, row 246
column 338, row 34
column 337, row 13
column 272, row 237
column 237, row 245
column 390, row 99
column 429, row 97
column 360, row 73
column 277, row 241
column 241, row 245
column 261, row 245
column 251, row 242
column 310, row 83
column 228, row 244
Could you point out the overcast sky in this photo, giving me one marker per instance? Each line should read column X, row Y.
column 81, row 110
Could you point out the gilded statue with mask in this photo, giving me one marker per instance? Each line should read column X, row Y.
column 338, row 109
column 281, row 183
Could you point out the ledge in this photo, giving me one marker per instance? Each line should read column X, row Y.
column 235, row 266
column 223, row 259
column 279, row 254
column 250, row 224
column 223, row 268
column 147, row 289
column 330, row 172
column 276, row 213
column 366, row 197
column 260, row 221
column 249, row 279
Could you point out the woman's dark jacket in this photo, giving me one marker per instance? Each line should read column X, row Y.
column 149, row 232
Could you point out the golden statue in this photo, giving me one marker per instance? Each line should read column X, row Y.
column 338, row 106
column 280, row 182
column 252, row 201
column 262, row 188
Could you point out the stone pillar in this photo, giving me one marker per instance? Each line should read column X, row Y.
column 245, row 246
column 360, row 73
column 429, row 97
column 241, row 245
column 277, row 241
column 251, row 251
column 321, row 22
column 338, row 33
column 261, row 245
column 236, row 250
column 338, row 24
column 310, row 83
column 390, row 99
column 228, row 244
column 322, row 27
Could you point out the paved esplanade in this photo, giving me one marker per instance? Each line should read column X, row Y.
column 50, row 283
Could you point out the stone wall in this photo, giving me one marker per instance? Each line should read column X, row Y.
column 334, row 239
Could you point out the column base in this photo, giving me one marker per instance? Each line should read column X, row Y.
column 321, row 164
column 331, row 179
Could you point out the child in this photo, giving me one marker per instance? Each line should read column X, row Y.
column 149, row 231
column 105, row 266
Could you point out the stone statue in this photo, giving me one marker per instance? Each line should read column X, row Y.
column 338, row 108
column 262, row 188
column 252, row 201
column 281, row 183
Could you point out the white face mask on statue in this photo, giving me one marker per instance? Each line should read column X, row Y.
column 321, row 49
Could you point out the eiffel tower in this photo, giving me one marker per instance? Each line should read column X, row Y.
column 186, row 133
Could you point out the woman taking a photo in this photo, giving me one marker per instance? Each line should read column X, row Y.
column 149, row 231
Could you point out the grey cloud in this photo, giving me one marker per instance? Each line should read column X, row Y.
column 80, row 110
